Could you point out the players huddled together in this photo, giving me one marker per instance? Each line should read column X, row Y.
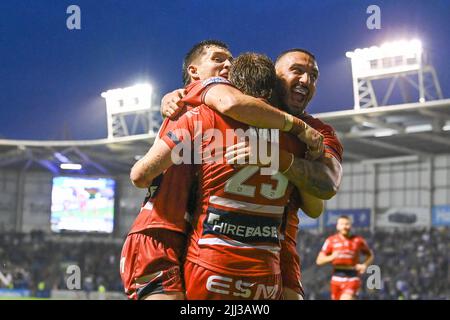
column 220, row 219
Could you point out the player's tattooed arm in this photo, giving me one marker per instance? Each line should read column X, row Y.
column 155, row 162
column 320, row 178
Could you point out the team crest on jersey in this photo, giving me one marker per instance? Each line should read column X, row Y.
column 212, row 80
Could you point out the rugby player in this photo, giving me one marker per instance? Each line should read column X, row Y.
column 343, row 250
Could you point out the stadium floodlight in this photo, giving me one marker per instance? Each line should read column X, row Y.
column 70, row 166
column 389, row 58
column 128, row 100
column 125, row 103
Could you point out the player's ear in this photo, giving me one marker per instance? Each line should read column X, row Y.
column 193, row 72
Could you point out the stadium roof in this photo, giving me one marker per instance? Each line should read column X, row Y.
column 102, row 156
column 412, row 129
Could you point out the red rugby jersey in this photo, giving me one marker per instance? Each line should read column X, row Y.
column 348, row 249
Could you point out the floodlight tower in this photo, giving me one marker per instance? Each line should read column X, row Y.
column 394, row 60
column 129, row 111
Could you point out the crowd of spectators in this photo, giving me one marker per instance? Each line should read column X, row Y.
column 40, row 262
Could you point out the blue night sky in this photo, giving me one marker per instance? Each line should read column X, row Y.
column 51, row 77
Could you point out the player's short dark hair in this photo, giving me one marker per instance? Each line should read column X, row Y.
column 254, row 74
column 282, row 54
column 197, row 50
column 345, row 217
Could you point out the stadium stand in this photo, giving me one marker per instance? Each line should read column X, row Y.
column 38, row 262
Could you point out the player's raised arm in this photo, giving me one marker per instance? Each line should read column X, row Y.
column 233, row 103
column 155, row 162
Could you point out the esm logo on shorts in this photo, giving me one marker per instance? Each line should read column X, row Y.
column 239, row 288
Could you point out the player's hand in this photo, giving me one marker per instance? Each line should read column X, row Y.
column 310, row 136
column 244, row 153
column 171, row 104
column 361, row 268
column 314, row 142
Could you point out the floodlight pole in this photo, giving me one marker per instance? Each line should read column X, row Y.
column 421, row 86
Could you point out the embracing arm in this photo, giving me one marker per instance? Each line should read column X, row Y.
column 155, row 162
column 231, row 102
column 320, row 178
